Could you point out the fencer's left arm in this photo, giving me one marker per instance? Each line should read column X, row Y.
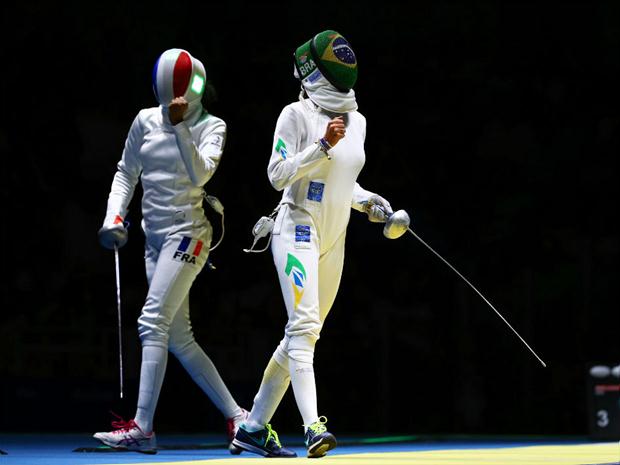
column 202, row 159
column 375, row 206
column 361, row 195
column 360, row 198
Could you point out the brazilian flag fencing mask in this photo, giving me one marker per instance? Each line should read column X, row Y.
column 331, row 54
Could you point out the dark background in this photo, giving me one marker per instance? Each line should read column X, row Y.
column 494, row 124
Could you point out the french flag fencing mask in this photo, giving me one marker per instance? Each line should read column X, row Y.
column 178, row 74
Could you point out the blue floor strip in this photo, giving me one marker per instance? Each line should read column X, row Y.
column 37, row 449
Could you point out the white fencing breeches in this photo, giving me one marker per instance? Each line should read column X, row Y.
column 172, row 264
column 309, row 281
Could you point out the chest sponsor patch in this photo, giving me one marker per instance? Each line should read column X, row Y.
column 315, row 191
column 302, row 236
column 186, row 252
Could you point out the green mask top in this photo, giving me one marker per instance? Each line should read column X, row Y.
column 331, row 54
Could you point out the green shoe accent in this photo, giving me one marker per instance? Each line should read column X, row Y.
column 272, row 434
column 263, row 442
column 315, row 429
column 318, row 440
column 318, row 427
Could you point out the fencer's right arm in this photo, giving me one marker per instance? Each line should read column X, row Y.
column 286, row 164
column 113, row 231
column 201, row 158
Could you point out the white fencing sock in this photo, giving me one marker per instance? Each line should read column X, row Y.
column 203, row 372
column 152, row 371
column 301, row 358
column 304, row 387
column 273, row 386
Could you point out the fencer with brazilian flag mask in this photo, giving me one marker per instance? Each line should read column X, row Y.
column 173, row 149
column 317, row 155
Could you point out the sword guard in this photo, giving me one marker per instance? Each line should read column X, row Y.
column 396, row 225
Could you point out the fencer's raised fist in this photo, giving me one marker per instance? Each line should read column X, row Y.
column 335, row 131
column 177, row 109
column 114, row 234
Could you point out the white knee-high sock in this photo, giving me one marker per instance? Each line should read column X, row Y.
column 203, row 372
column 275, row 382
column 152, row 371
column 304, row 387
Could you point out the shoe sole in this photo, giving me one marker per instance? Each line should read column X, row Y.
column 125, row 448
column 234, row 450
column 249, row 448
column 321, row 447
column 255, row 450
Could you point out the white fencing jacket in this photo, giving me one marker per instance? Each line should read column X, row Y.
column 324, row 189
column 173, row 163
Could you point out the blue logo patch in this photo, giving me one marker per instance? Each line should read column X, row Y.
column 314, row 76
column 315, row 191
column 302, row 233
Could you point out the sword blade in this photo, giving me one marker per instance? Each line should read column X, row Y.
column 479, row 293
column 118, row 308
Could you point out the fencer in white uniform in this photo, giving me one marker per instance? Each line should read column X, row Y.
column 173, row 149
column 318, row 153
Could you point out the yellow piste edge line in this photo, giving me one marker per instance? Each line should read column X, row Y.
column 527, row 455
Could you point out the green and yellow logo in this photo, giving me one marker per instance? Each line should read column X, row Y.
column 281, row 147
column 295, row 270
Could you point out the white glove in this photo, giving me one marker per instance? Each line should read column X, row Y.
column 378, row 209
column 113, row 234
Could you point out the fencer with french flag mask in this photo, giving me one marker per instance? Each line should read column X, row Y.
column 173, row 150
column 317, row 155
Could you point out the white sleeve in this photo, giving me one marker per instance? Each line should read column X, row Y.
column 201, row 160
column 287, row 164
column 360, row 197
column 127, row 174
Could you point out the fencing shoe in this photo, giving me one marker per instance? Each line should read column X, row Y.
column 263, row 442
column 232, row 426
column 318, row 440
column 127, row 435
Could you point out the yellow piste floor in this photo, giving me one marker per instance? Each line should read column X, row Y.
column 604, row 453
